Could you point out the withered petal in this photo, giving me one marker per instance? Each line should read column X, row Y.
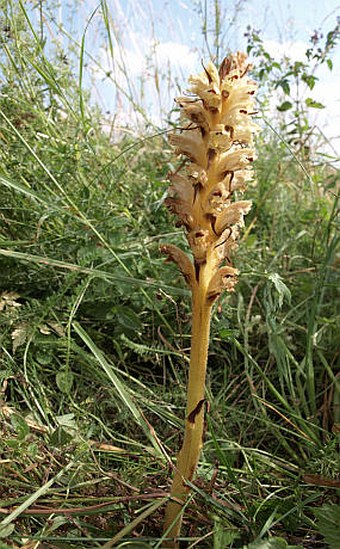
column 182, row 261
column 224, row 279
column 231, row 215
column 217, row 139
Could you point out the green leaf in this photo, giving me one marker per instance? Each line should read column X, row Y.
column 44, row 356
column 20, row 426
column 6, row 531
column 67, row 420
column 66, row 430
column 14, row 185
column 31, row 258
column 226, row 333
column 285, row 86
column 64, row 380
column 329, row 524
column 314, row 104
column 329, row 64
column 285, row 106
column 128, row 319
column 224, row 534
column 60, row 437
column 121, row 389
column 128, row 529
column 310, row 80
column 5, row 546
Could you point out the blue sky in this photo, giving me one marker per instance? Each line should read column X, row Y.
column 157, row 44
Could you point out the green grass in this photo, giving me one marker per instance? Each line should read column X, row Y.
column 95, row 332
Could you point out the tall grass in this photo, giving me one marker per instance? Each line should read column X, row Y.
column 95, row 329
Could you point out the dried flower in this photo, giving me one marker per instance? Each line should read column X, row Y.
column 217, row 139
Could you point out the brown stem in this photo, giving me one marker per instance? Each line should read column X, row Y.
column 188, row 456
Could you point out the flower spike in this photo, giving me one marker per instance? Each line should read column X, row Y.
column 216, row 141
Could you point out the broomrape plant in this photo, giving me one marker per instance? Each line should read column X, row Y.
column 216, row 137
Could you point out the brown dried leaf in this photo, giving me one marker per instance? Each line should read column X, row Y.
column 19, row 335
column 8, row 300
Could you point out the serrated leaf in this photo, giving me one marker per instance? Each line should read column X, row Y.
column 329, row 524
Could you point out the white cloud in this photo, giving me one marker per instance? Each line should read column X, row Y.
column 152, row 71
column 325, row 91
column 294, row 50
column 178, row 55
column 147, row 76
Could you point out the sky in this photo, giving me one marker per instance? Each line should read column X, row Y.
column 155, row 45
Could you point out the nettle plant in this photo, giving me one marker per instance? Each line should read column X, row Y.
column 216, row 138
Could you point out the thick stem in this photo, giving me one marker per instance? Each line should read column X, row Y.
column 188, row 456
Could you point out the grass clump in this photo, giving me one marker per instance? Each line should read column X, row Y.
column 95, row 333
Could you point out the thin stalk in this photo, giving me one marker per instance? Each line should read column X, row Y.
column 188, row 456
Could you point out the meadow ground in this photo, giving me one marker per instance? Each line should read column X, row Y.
column 95, row 331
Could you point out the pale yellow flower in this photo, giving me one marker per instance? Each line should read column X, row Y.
column 216, row 137
column 216, row 140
